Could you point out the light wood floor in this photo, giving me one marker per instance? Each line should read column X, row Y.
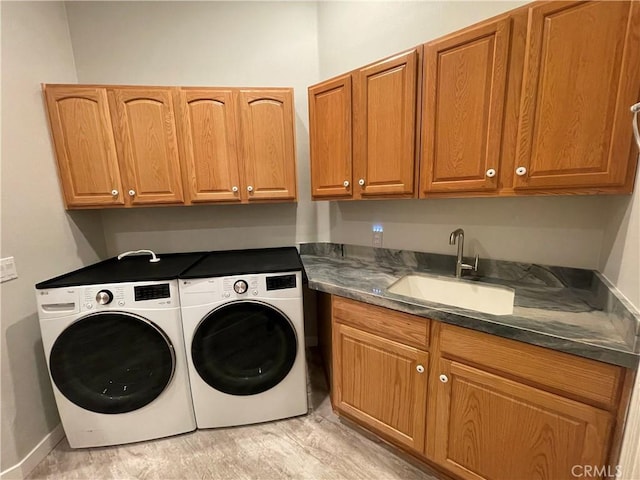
column 315, row 446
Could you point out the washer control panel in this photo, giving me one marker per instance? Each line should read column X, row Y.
column 116, row 296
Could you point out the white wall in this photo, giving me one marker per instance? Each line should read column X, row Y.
column 354, row 33
column 36, row 231
column 204, row 43
column 620, row 262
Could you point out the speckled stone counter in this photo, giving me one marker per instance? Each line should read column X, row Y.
column 566, row 309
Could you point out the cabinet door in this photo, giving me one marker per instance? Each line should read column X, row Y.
column 85, row 148
column 330, row 138
column 268, row 143
column 489, row 427
column 146, row 137
column 384, row 122
column 376, row 381
column 208, row 145
column 580, row 77
column 463, row 99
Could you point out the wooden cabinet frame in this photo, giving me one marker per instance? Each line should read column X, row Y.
column 385, row 128
column 473, row 380
column 450, row 144
column 330, row 138
column 151, row 146
column 499, row 150
column 88, row 167
column 144, row 120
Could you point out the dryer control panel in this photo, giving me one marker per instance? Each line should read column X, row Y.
column 200, row 291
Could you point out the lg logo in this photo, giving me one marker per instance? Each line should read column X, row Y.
column 596, row 471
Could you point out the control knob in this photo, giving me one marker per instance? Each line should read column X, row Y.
column 104, row 297
column 240, row 286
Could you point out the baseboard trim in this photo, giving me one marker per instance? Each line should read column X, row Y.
column 20, row 470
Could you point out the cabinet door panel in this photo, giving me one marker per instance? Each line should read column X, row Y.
column 85, row 148
column 146, row 133
column 580, row 77
column 376, row 382
column 207, row 128
column 385, row 126
column 268, row 143
column 330, row 138
column 481, row 416
column 464, row 92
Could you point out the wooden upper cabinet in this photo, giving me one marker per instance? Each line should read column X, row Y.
column 381, row 383
column 207, row 131
column 84, row 144
column 581, row 76
column 384, row 123
column 330, row 138
column 146, row 137
column 463, row 98
column 480, row 416
column 268, row 143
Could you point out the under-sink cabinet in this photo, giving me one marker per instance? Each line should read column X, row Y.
column 458, row 399
column 380, row 367
column 127, row 146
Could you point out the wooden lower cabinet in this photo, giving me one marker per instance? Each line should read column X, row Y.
column 381, row 383
column 468, row 406
column 487, row 426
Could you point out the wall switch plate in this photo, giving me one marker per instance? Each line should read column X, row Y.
column 8, row 269
column 377, row 236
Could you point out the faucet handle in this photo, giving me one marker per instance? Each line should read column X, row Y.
column 475, row 263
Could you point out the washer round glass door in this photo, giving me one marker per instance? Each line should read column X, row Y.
column 112, row 362
column 244, row 348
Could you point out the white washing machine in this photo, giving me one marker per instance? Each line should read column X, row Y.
column 244, row 332
column 115, row 351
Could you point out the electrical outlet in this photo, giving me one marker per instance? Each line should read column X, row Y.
column 377, row 236
column 8, row 269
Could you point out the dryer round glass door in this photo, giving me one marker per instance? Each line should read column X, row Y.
column 244, row 348
column 112, row 362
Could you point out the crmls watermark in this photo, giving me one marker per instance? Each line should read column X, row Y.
column 596, row 471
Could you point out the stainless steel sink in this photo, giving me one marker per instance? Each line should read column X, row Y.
column 493, row 299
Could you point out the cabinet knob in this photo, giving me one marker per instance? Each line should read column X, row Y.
column 520, row 171
column 444, row 378
column 361, row 182
column 249, row 188
column 114, row 192
column 234, row 189
column 420, row 369
column 132, row 193
column 491, row 173
column 346, row 184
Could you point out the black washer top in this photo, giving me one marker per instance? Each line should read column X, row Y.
column 240, row 262
column 134, row 268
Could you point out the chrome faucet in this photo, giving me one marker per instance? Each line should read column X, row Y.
column 458, row 236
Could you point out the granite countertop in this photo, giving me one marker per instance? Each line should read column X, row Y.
column 566, row 309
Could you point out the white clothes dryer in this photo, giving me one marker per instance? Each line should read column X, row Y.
column 115, row 351
column 244, row 333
